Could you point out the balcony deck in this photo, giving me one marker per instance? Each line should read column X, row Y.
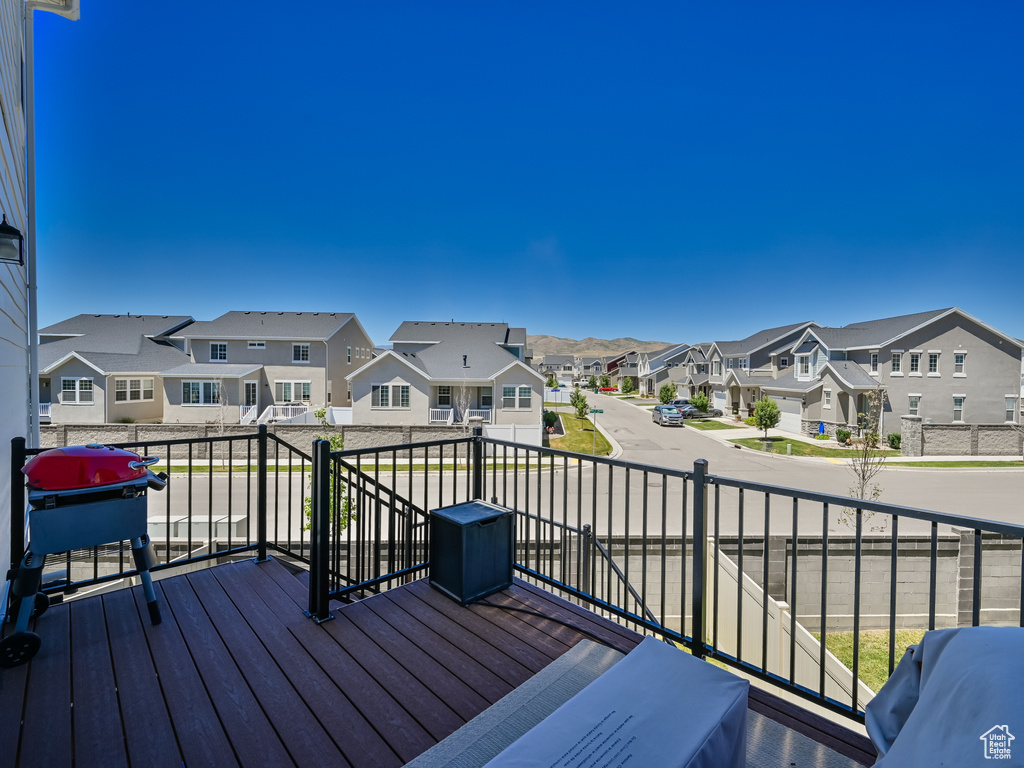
column 236, row 675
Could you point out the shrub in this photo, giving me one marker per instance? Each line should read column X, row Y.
column 842, row 435
column 551, row 383
column 750, row 421
column 894, row 440
column 606, row 381
column 592, row 382
column 666, row 394
column 700, row 402
column 627, row 385
column 822, row 437
column 550, row 418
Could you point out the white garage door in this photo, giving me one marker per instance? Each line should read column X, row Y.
column 718, row 401
column 790, row 414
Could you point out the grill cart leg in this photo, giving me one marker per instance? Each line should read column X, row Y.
column 22, row 645
column 142, row 551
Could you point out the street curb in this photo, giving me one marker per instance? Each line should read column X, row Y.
column 616, row 448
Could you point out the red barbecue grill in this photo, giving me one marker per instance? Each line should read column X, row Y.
column 81, row 496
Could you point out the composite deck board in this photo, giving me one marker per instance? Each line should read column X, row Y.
column 254, row 740
column 98, row 736
column 237, row 675
column 149, row 737
column 203, row 740
column 47, row 729
column 502, row 664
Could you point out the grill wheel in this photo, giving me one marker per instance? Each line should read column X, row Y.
column 18, row 648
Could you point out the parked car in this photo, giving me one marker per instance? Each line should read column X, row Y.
column 691, row 412
column 666, row 414
column 680, row 402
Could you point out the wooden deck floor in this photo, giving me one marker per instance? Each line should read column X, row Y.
column 236, row 675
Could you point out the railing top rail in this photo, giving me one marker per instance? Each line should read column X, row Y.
column 666, row 471
column 400, row 448
column 162, row 442
column 914, row 513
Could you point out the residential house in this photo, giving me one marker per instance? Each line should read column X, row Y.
column 443, row 373
column 945, row 366
column 101, row 369
column 589, row 366
column 244, row 362
column 739, row 368
column 692, row 378
column 562, row 367
column 656, row 369
column 618, row 367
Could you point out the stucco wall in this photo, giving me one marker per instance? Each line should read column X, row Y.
column 176, row 413
column 77, row 413
column 518, row 376
column 388, row 370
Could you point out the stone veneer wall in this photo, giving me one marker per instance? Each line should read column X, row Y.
column 919, row 439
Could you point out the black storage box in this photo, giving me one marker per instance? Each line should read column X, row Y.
column 471, row 548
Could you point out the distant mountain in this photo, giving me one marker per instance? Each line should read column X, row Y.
column 589, row 347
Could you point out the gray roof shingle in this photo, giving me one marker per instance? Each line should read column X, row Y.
column 761, row 338
column 114, row 343
column 315, row 326
column 471, row 351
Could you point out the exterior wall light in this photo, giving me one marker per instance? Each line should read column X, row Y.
column 11, row 241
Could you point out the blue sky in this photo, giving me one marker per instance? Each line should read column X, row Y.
column 669, row 171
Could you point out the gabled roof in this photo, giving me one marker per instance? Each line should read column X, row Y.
column 871, row 334
column 558, row 359
column 455, row 351
column 851, row 374
column 112, row 343
column 211, row 370
column 311, row 326
column 662, row 359
column 759, row 340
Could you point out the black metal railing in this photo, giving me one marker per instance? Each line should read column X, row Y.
column 762, row 578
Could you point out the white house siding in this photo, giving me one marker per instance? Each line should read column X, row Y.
column 516, row 377
column 388, row 370
column 14, row 335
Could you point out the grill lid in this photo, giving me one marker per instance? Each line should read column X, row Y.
column 84, row 466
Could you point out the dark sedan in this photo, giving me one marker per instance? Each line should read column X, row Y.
column 691, row 412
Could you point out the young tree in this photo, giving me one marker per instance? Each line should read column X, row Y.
column 592, row 382
column 700, row 402
column 579, row 402
column 766, row 414
column 606, row 380
column 346, row 509
column 627, row 384
column 667, row 394
column 463, row 402
column 867, row 460
column 552, row 382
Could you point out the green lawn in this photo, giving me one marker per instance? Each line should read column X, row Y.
column 800, row 448
column 955, row 464
column 874, row 652
column 710, row 425
column 579, row 437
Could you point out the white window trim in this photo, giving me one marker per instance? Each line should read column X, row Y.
column 349, row 353
column 518, row 397
column 938, row 359
column 827, row 401
column 963, row 407
column 448, row 394
column 78, row 390
column 293, row 382
column 298, row 345
column 963, row 373
column 919, row 397
column 1016, row 407
column 245, row 384
column 877, row 360
column 900, row 371
column 218, row 359
column 200, row 382
column 257, row 345
column 391, row 387
column 128, row 389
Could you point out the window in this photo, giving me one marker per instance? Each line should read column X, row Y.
column 133, row 390
column 897, row 363
column 914, row 405
column 486, row 397
column 257, row 345
column 958, row 407
column 252, row 392
column 1011, row 409
column 783, row 362
column 716, row 368
column 509, row 398
column 960, row 364
column 76, row 391
column 828, row 398
column 874, row 362
column 444, row 395
column 349, row 353
column 389, row 395
column 291, row 391
column 200, row 393
column 915, row 362
column 218, row 351
column 805, row 365
column 300, row 353
column 933, row 363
